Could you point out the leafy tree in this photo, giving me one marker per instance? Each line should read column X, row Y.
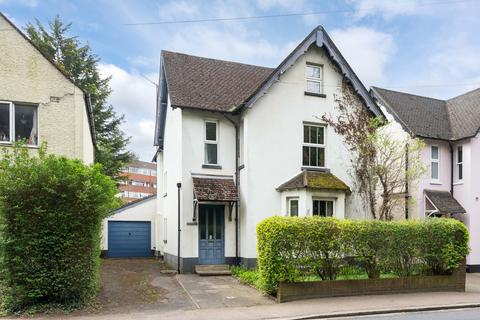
column 79, row 62
column 383, row 163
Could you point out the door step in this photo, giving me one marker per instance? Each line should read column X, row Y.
column 213, row 270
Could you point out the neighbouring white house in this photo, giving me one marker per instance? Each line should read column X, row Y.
column 238, row 143
column 39, row 102
column 450, row 130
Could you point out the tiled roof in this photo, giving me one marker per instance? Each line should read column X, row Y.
column 452, row 119
column 315, row 180
column 214, row 188
column 142, row 164
column 210, row 84
column 444, row 202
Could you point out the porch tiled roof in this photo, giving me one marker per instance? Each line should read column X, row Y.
column 318, row 180
column 214, row 188
column 444, row 202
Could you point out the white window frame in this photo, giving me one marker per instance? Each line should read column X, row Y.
column 12, row 123
column 216, row 141
column 334, row 201
column 313, row 79
column 437, row 161
column 323, row 146
column 289, row 201
column 457, row 164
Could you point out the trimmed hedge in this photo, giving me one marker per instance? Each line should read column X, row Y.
column 292, row 248
column 51, row 209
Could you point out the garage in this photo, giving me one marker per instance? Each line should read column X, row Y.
column 129, row 239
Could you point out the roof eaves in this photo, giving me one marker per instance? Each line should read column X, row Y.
column 133, row 203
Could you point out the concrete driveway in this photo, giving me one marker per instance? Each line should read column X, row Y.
column 140, row 286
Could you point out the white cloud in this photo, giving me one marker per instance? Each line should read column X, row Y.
column 134, row 97
column 386, row 8
column 366, row 50
column 287, row 4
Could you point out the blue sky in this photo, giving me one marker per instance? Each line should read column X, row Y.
column 428, row 47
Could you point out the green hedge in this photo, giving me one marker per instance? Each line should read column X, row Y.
column 51, row 210
column 293, row 248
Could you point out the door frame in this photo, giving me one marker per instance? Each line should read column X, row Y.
column 218, row 205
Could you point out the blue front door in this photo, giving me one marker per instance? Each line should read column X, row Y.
column 211, row 231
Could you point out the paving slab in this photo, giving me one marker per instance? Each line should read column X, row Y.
column 221, row 292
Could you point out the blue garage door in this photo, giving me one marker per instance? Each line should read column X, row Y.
column 129, row 239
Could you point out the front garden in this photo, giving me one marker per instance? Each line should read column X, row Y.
column 308, row 249
column 51, row 210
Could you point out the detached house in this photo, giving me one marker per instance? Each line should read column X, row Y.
column 238, row 143
column 450, row 129
column 38, row 102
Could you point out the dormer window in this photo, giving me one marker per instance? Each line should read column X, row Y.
column 211, row 142
column 314, row 79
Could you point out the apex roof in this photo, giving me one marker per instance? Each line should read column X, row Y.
column 452, row 119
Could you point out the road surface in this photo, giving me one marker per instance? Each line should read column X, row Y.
column 460, row 314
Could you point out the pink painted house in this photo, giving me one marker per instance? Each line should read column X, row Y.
column 450, row 129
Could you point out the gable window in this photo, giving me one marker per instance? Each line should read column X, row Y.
column 313, row 145
column 459, row 163
column 18, row 122
column 323, row 208
column 313, row 78
column 292, row 207
column 211, row 142
column 434, row 163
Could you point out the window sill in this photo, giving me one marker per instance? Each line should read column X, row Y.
column 458, row 183
column 10, row 144
column 321, row 169
column 313, row 94
column 211, row 166
column 438, row 183
column 192, row 223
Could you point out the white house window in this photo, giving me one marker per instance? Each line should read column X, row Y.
column 313, row 146
column 18, row 122
column 313, row 78
column 323, row 208
column 211, row 142
column 435, row 162
column 459, row 163
column 292, row 207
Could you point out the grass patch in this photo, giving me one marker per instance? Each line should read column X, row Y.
column 248, row 276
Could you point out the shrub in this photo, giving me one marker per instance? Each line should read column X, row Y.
column 51, row 210
column 294, row 249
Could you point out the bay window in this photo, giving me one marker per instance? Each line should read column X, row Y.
column 313, row 146
column 18, row 122
column 323, row 208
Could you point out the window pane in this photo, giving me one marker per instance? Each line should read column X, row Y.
column 321, row 157
column 4, row 122
column 434, row 152
column 315, row 208
column 320, row 135
column 294, row 208
column 323, row 208
column 26, row 123
column 218, row 223
column 434, row 169
column 329, row 208
column 313, row 135
column 313, row 157
column 460, row 171
column 306, row 134
column 210, row 220
column 313, row 71
column 460, row 154
column 211, row 131
column 210, row 153
column 306, row 156
column 313, row 86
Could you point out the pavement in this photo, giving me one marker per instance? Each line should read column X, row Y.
column 136, row 289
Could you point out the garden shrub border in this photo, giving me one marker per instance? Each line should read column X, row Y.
column 290, row 248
